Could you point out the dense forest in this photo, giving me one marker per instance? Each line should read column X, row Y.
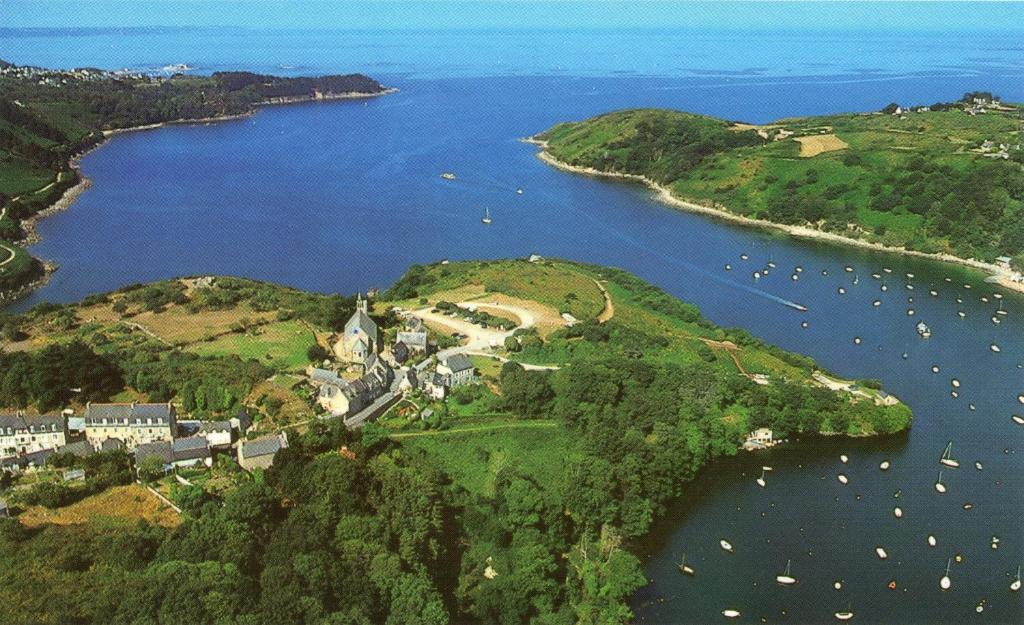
column 944, row 178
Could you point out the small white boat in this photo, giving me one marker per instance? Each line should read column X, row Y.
column 729, row 613
column 844, row 615
column 884, row 466
column 954, row 394
column 848, row 269
column 884, row 287
column 939, row 486
column 786, row 579
column 910, row 287
column 995, row 348
column 880, row 552
column 448, row 175
column 876, row 303
column 959, row 300
column 887, row 269
column 844, row 458
column 795, row 277
column 933, row 293
column 803, row 324
column 910, row 275
column 856, row 340
column 897, row 512
column 945, row 582
column 923, row 330
column 487, row 216
column 876, row 275
column 728, row 267
column 977, row 465
column 984, row 299
column 967, row 286
column 1015, row 584
column 519, row 191
column 841, row 290
column 725, row 545
column 955, row 382
column 995, row 542
column 910, row 312
column 744, row 257
column 1020, row 398
column 961, row 314
column 931, row 540
column 843, row 479
column 684, row 568
column 947, row 458
column 1019, row 420
column 771, row 265
column 757, row 275
column 760, row 480
column 996, row 321
column 935, row 368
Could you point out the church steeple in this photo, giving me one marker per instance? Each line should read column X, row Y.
column 362, row 304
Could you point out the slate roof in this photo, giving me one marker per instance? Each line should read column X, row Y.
column 361, row 321
column 40, row 423
column 265, row 446
column 458, row 362
column 112, row 444
column 215, row 426
column 191, row 448
column 400, row 352
column 82, row 449
column 244, row 420
column 160, row 449
column 132, row 413
column 413, row 339
column 324, row 376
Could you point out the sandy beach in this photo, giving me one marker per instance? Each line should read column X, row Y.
column 664, row 194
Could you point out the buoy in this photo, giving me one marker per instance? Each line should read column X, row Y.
column 935, row 368
column 898, row 512
column 838, row 585
column 803, row 324
column 884, row 465
column 856, row 340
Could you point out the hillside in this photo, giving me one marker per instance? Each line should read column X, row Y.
column 49, row 116
column 513, row 502
column 939, row 179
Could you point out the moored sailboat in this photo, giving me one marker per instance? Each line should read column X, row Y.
column 786, row 579
column 947, row 458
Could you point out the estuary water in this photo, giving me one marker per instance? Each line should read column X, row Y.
column 342, row 196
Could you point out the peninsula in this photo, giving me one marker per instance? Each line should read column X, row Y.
column 943, row 180
column 49, row 117
column 524, row 419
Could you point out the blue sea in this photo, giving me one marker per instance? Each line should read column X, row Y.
column 342, row 196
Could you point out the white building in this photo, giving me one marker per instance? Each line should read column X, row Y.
column 133, row 424
column 21, row 435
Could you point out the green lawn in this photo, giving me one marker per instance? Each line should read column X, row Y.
column 473, row 454
column 281, row 345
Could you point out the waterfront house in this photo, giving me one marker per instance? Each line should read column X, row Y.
column 1003, row 262
column 22, row 435
column 132, row 424
column 458, row 370
column 359, row 339
column 259, row 453
column 760, row 438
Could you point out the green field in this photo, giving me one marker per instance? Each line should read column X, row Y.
column 281, row 345
column 933, row 181
column 474, row 454
column 17, row 266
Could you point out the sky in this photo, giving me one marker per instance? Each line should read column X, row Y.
column 449, row 14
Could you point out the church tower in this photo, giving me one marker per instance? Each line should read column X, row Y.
column 362, row 304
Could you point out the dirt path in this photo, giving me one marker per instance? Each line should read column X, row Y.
column 609, row 307
column 9, row 258
column 731, row 349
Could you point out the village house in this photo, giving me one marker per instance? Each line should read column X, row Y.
column 434, row 385
column 399, row 353
column 457, row 369
column 1003, row 262
column 415, row 340
column 241, row 422
column 22, row 435
column 218, row 433
column 360, row 338
column 183, row 452
column 129, row 424
column 80, row 449
column 342, row 397
column 259, row 453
